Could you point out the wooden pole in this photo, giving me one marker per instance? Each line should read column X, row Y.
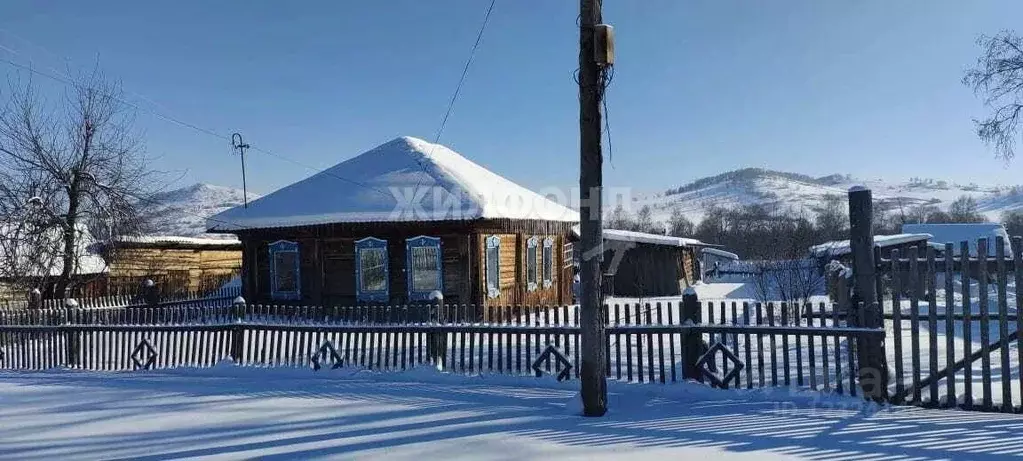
column 591, row 371
column 873, row 367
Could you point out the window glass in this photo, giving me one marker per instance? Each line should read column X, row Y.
column 548, row 262
column 425, row 268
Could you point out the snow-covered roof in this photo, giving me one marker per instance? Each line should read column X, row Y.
column 404, row 180
column 177, row 240
column 956, row 233
column 619, row 235
column 721, row 253
column 842, row 247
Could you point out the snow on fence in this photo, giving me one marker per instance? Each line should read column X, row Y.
column 751, row 345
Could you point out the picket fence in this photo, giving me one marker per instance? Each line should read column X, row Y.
column 727, row 344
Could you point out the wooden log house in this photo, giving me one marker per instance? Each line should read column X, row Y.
column 176, row 264
column 397, row 223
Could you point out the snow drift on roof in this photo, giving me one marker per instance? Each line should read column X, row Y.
column 643, row 237
column 177, row 240
column 406, row 179
column 956, row 233
column 720, row 253
column 842, row 247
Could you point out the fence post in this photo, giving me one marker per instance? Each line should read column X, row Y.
column 150, row 294
column 692, row 343
column 436, row 343
column 865, row 309
column 74, row 338
column 35, row 299
column 237, row 331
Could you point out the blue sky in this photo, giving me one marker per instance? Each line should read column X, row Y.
column 871, row 88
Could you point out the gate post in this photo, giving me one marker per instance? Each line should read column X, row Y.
column 437, row 344
column 237, row 331
column 865, row 309
column 691, row 314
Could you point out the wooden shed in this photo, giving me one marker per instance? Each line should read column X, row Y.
column 638, row 264
column 176, row 264
column 397, row 223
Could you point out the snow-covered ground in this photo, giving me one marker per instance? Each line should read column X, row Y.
column 242, row 413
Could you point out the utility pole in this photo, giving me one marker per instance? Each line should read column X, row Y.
column 238, row 143
column 591, row 88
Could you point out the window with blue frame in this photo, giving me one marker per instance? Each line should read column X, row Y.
column 371, row 270
column 285, row 277
column 493, row 265
column 423, row 266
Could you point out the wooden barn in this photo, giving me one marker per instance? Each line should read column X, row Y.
column 397, row 223
column 839, row 250
column 176, row 264
column 638, row 264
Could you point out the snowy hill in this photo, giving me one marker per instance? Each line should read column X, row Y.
column 804, row 194
column 183, row 212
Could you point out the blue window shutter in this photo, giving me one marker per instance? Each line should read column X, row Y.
column 410, row 271
column 361, row 293
column 282, row 247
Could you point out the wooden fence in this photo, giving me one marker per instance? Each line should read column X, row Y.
column 726, row 344
column 947, row 312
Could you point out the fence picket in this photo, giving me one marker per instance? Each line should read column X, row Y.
column 774, row 346
column 900, row 379
column 966, row 281
column 932, row 322
column 950, row 388
column 914, row 319
column 785, row 344
column 985, row 322
column 1003, row 324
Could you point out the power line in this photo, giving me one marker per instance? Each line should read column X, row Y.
column 458, row 89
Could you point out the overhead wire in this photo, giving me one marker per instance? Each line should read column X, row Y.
column 454, row 96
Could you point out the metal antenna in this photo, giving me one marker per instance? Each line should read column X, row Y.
column 238, row 143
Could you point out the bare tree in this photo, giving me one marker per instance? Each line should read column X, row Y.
column 1013, row 222
column 619, row 218
column 679, row 225
column 965, row 210
column 998, row 78
column 67, row 166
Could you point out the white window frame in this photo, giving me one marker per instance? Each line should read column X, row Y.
column 423, row 241
column 532, row 246
column 493, row 290
column 361, row 294
column 278, row 247
column 547, row 253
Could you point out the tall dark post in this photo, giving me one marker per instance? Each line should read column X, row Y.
column 866, row 308
column 591, row 371
column 238, row 143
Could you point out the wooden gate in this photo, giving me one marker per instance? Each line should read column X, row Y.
column 953, row 309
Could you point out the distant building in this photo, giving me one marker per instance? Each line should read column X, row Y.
column 176, row 264
column 841, row 251
column 638, row 264
column 958, row 233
